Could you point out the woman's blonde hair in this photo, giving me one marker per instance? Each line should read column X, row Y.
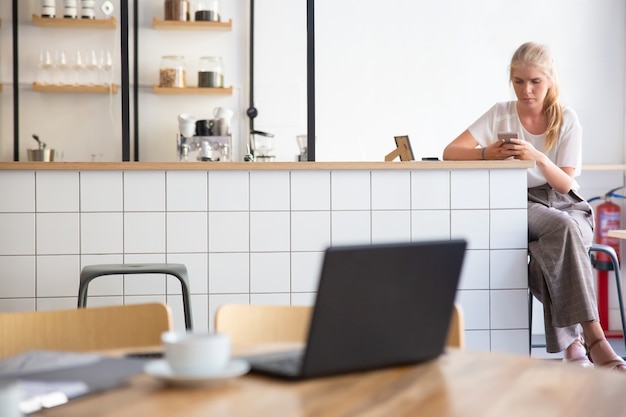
column 531, row 53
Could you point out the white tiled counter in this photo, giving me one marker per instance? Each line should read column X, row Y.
column 256, row 232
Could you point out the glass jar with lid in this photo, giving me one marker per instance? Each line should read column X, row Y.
column 210, row 72
column 208, row 10
column 177, row 10
column 172, row 71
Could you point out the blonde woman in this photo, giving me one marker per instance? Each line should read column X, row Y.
column 560, row 222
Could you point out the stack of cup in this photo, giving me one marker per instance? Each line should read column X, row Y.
column 186, row 125
column 70, row 9
column 87, row 9
column 48, row 8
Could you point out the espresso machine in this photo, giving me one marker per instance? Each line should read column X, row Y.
column 210, row 139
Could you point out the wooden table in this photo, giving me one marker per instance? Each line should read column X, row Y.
column 621, row 234
column 458, row 384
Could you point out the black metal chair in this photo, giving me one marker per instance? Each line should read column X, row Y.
column 179, row 271
column 613, row 265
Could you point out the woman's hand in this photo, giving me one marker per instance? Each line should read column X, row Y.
column 518, row 149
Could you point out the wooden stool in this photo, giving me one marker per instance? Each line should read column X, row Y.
column 179, row 271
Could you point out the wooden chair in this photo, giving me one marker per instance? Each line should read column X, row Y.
column 251, row 323
column 248, row 324
column 84, row 329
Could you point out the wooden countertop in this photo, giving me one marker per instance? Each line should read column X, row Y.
column 259, row 166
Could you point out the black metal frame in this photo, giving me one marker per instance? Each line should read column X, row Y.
column 125, row 82
column 125, row 88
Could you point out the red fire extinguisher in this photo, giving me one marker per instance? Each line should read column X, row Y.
column 608, row 217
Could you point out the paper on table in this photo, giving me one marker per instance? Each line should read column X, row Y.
column 49, row 378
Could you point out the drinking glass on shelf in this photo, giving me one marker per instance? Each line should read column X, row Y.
column 44, row 76
column 106, row 65
column 93, row 67
column 61, row 68
column 78, row 69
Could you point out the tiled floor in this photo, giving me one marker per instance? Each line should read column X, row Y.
column 540, row 352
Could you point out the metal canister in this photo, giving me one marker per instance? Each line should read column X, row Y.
column 177, row 10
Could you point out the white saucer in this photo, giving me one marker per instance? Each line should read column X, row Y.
column 160, row 369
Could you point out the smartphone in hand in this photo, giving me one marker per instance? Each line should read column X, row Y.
column 507, row 136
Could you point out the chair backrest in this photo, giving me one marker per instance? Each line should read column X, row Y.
column 456, row 332
column 249, row 324
column 84, row 329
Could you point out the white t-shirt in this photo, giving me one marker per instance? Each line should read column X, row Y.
column 566, row 152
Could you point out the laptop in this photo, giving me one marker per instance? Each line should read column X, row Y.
column 377, row 306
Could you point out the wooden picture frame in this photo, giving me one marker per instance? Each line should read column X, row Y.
column 403, row 150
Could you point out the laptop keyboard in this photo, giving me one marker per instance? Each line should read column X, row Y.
column 290, row 364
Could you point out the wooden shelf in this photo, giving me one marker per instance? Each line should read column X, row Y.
column 192, row 25
column 192, row 90
column 93, row 89
column 78, row 23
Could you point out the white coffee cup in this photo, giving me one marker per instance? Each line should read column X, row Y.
column 223, row 113
column 196, row 353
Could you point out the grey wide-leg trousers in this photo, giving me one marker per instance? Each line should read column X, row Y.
column 560, row 233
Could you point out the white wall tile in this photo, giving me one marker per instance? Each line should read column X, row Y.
column 57, row 233
column 509, row 269
column 509, row 309
column 103, row 301
column 187, row 232
column 17, row 233
column 391, row 226
column 229, row 191
column 475, row 271
column 269, row 231
column 477, row 340
column 216, row 300
column 272, row 299
column 472, row 225
column 475, row 305
column 57, row 191
column 101, row 233
column 469, row 189
column 56, row 303
column 17, row 276
column 270, row 272
column 229, row 273
column 186, row 190
column 269, row 190
column 350, row 190
column 144, row 191
column 144, row 232
column 10, row 305
column 310, row 231
column 101, row 191
column 310, row 190
column 229, row 231
column 504, row 188
column 351, row 227
column 58, row 276
column 391, row 190
column 197, row 272
column 509, row 229
column 430, row 224
column 17, row 189
column 430, row 190
column 303, row 298
column 510, row 341
column 306, row 269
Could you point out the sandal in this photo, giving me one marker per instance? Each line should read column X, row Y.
column 616, row 364
column 582, row 361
